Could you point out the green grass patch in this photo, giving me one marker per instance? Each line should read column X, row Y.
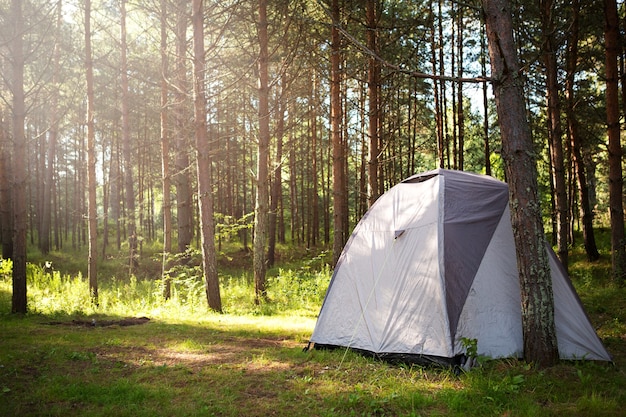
column 68, row 357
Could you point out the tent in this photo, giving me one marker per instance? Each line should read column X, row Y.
column 431, row 266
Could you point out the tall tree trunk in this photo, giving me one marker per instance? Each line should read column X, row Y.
column 345, row 210
column 105, row 205
column 373, row 82
column 362, row 201
column 129, row 190
column 91, row 164
column 165, row 157
column 48, row 189
column 277, row 184
column 315, row 232
column 293, row 189
column 184, row 201
column 438, row 116
column 555, row 135
column 612, row 47
column 203, row 162
column 6, row 192
column 460, row 112
column 443, row 102
column 540, row 344
column 20, row 213
column 262, row 189
column 326, row 178
column 483, row 66
column 453, row 93
column 586, row 212
column 336, row 117
column 244, row 191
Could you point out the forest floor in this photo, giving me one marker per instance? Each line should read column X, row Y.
column 148, row 362
column 255, row 366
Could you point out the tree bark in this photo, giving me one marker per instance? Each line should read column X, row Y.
column 616, row 208
column 129, row 189
column 315, row 227
column 293, row 190
column 20, row 213
column 184, row 202
column 6, row 193
column 203, row 162
column 165, row 156
column 336, row 117
column 443, row 102
column 586, row 212
column 262, row 189
column 92, row 219
column 115, row 194
column 373, row 87
column 483, row 66
column 437, row 95
column 555, row 132
column 276, row 196
column 460, row 112
column 540, row 344
column 49, row 187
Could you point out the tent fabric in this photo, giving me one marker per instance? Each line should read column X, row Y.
column 433, row 262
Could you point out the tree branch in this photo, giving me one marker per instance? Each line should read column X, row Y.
column 398, row 67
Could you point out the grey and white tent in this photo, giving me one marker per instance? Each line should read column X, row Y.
column 433, row 262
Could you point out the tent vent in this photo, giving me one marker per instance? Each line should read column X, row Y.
column 419, row 178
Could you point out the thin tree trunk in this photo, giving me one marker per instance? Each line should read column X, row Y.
column 325, row 174
column 293, row 189
column 373, row 81
column 277, row 184
column 203, row 162
column 336, row 117
column 443, row 106
column 48, row 189
column 483, row 66
column 105, row 205
column 20, row 210
column 362, row 201
column 244, row 191
column 115, row 195
column 460, row 110
column 91, row 163
column 345, row 210
column 539, row 332
column 262, row 194
column 6, row 193
column 165, row 157
column 612, row 47
column 586, row 212
column 184, row 201
column 126, row 149
column 436, row 93
column 556, row 131
column 453, row 93
column 314, row 160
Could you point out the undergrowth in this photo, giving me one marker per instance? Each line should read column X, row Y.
column 51, row 292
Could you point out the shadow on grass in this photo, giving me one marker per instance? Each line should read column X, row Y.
column 158, row 368
column 231, row 366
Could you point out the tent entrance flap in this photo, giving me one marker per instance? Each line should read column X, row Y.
column 471, row 215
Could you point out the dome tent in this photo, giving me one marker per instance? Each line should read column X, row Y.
column 431, row 265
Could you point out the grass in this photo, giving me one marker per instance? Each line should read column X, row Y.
column 186, row 361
